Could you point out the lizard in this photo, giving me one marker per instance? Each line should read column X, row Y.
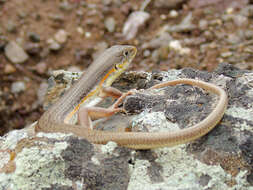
column 96, row 81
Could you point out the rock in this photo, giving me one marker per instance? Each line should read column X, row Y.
column 61, row 36
column 11, row 26
column 17, row 87
column 33, row 48
column 34, row 37
column 133, row 23
column 15, row 53
column 110, row 24
column 65, row 6
column 41, row 67
column 35, row 161
column 8, row 69
column 162, row 39
column 3, row 42
column 203, row 24
column 185, row 25
column 168, row 4
column 240, row 20
column 173, row 14
column 175, row 45
column 57, row 17
column 53, row 45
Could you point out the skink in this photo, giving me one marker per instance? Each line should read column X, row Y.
column 105, row 69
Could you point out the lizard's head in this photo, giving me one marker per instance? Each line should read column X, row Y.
column 121, row 57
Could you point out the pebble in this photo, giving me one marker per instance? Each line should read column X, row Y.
column 17, row 87
column 173, row 14
column 167, row 4
column 87, row 34
column 175, row 45
column 33, row 48
column 133, row 23
column 3, row 42
column 110, row 24
column 15, row 53
column 80, row 30
column 203, row 24
column 61, row 36
column 34, row 37
column 8, row 69
column 41, row 67
column 240, row 20
column 11, row 26
column 57, row 17
column 80, row 56
column 65, row 6
column 146, row 53
column 53, row 45
column 185, row 25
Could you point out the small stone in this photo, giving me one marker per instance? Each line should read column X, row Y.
column 11, row 27
column 133, row 23
column 163, row 16
column 110, row 24
column 146, row 53
column 74, row 69
column 173, row 14
column 55, row 46
column 65, row 6
column 87, row 34
column 17, row 87
column 33, row 48
column 3, row 42
column 80, row 55
column 44, row 52
column 22, row 14
column 15, row 53
column 79, row 12
column 240, row 20
column 57, row 17
column 203, row 24
column 34, row 37
column 233, row 39
column 168, row 4
column 61, row 36
column 175, row 45
column 226, row 54
column 41, row 67
column 106, row 2
column 230, row 10
column 8, row 69
column 80, row 30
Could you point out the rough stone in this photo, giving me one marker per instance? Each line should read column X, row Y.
column 213, row 161
column 15, row 53
column 17, row 87
column 110, row 24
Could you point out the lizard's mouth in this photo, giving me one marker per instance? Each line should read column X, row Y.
column 119, row 68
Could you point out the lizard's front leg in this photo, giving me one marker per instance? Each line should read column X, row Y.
column 86, row 114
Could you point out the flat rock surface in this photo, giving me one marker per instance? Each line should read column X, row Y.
column 220, row 160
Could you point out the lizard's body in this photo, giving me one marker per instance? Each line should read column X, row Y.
column 103, row 72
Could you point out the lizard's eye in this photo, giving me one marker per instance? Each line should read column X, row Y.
column 115, row 67
column 125, row 53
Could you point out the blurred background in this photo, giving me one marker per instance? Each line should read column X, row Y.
column 37, row 37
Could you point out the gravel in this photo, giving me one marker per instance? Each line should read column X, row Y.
column 15, row 53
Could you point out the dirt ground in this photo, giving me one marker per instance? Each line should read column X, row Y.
column 179, row 33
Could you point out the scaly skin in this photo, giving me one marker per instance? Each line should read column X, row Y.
column 53, row 119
